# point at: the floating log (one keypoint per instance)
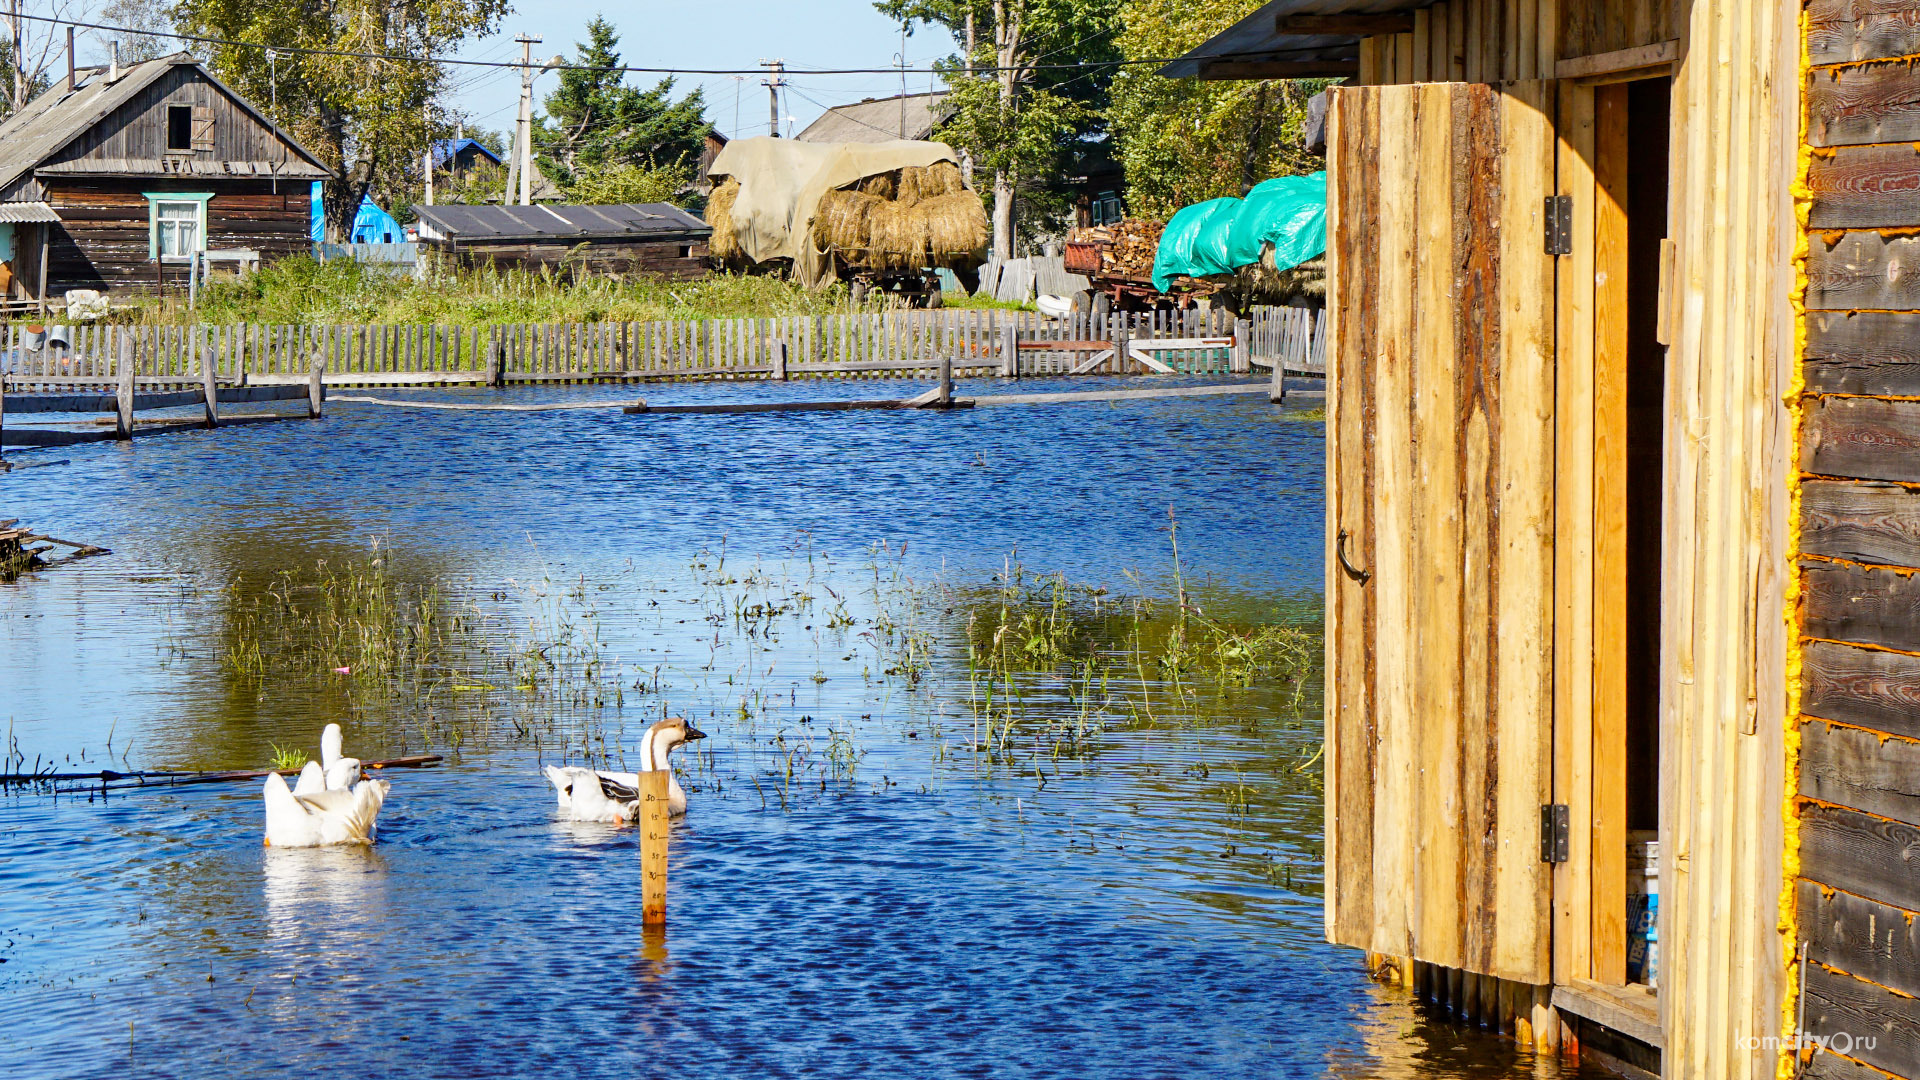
(174, 778)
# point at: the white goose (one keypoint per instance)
(325, 806)
(614, 797)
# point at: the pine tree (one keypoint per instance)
(594, 121)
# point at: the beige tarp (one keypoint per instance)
(782, 180)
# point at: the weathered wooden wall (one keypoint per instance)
(1506, 40)
(666, 258)
(137, 130)
(1858, 889)
(1440, 413)
(101, 241)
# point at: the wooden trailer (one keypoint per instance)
(1623, 507)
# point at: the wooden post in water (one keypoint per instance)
(123, 417)
(316, 387)
(1278, 392)
(209, 387)
(496, 361)
(1242, 347)
(655, 825)
(780, 361)
(946, 381)
(1010, 351)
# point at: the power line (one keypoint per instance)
(407, 59)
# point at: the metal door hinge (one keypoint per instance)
(1559, 224)
(1555, 825)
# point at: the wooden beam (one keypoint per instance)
(1344, 25)
(1602, 66)
(1222, 70)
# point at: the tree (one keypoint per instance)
(594, 121)
(370, 119)
(1183, 141)
(1019, 112)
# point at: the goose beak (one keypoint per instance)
(694, 733)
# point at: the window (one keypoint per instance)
(176, 228)
(177, 224)
(179, 127)
(1106, 209)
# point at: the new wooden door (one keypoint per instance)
(1440, 422)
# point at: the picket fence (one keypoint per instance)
(892, 344)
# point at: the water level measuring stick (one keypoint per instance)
(654, 825)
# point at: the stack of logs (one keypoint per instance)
(1126, 248)
(19, 554)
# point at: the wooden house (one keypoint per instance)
(643, 238)
(115, 176)
(1623, 516)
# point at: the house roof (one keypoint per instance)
(65, 112)
(447, 149)
(1293, 39)
(564, 223)
(879, 120)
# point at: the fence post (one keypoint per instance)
(496, 360)
(946, 381)
(1010, 350)
(1242, 346)
(210, 388)
(780, 361)
(1277, 392)
(316, 388)
(123, 417)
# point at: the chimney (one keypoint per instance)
(70, 63)
(113, 73)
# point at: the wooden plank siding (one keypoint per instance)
(1441, 407)
(1498, 41)
(678, 258)
(137, 130)
(1858, 780)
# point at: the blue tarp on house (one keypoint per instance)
(371, 225)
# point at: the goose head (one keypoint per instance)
(663, 737)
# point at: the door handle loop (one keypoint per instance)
(1352, 571)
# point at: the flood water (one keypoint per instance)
(897, 862)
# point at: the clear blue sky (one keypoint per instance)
(737, 34)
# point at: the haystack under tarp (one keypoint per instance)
(781, 182)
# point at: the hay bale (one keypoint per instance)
(896, 236)
(725, 243)
(842, 221)
(880, 185)
(920, 183)
(956, 227)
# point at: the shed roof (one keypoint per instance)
(1294, 39)
(879, 120)
(65, 112)
(542, 221)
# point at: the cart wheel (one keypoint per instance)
(935, 299)
(859, 292)
(1102, 306)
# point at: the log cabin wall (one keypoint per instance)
(101, 241)
(1858, 886)
(226, 132)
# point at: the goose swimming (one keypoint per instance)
(614, 797)
(325, 805)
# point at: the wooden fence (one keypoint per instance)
(893, 344)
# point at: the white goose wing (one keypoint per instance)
(312, 779)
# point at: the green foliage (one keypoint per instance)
(367, 118)
(1184, 141)
(341, 291)
(606, 184)
(595, 124)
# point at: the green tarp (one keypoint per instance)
(1221, 235)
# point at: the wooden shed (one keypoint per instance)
(630, 238)
(1624, 515)
(112, 178)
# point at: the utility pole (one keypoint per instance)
(773, 82)
(523, 131)
(903, 80)
(19, 57)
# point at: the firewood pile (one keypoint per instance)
(1125, 249)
